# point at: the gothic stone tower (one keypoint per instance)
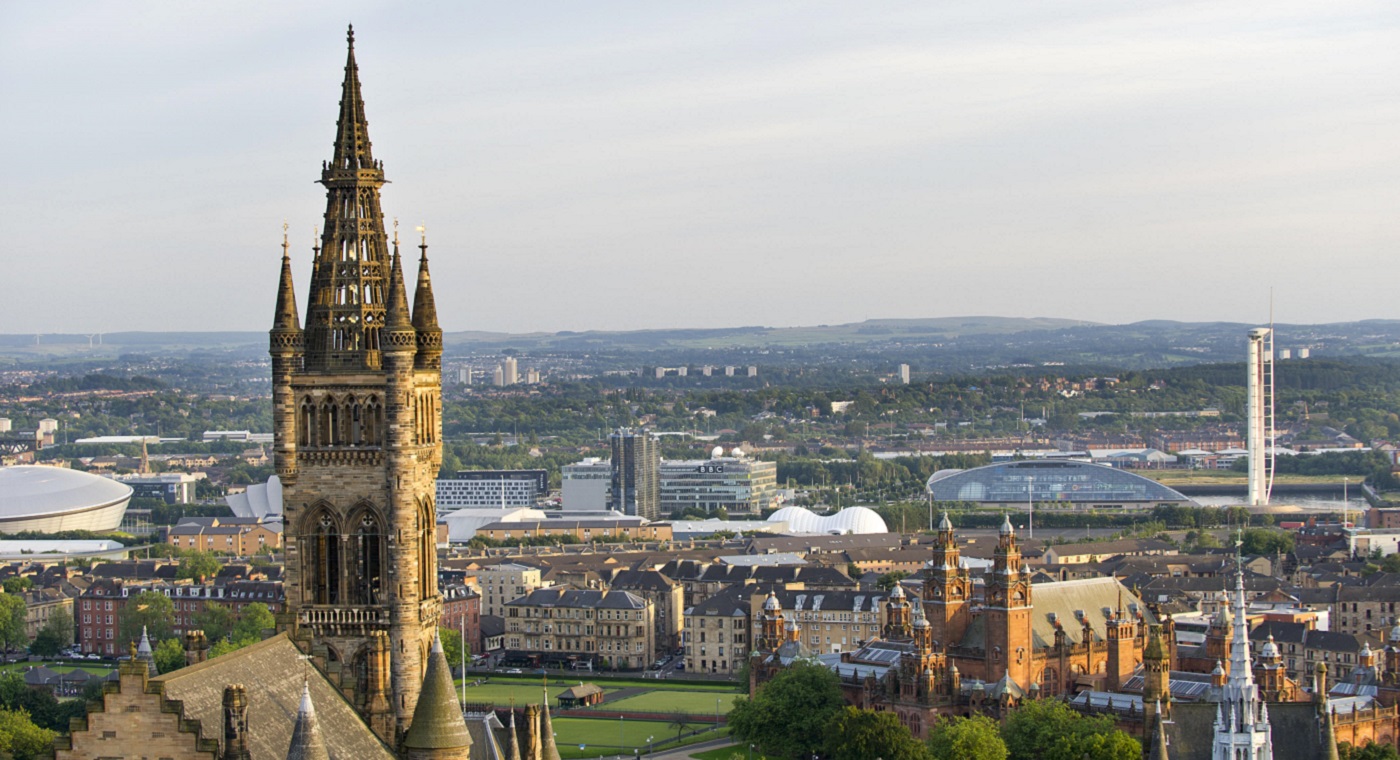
(1008, 613)
(356, 405)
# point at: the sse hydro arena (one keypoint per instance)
(53, 499)
(1081, 485)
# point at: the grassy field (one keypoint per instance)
(590, 732)
(97, 670)
(620, 683)
(722, 753)
(691, 702)
(501, 693)
(1227, 477)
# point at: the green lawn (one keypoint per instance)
(500, 693)
(599, 736)
(690, 702)
(723, 753)
(619, 683)
(20, 667)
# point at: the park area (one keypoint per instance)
(688, 710)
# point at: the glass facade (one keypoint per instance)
(1042, 481)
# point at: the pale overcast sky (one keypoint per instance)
(621, 165)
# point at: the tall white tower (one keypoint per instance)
(1242, 730)
(1260, 402)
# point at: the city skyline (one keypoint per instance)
(629, 167)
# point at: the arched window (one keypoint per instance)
(325, 427)
(368, 554)
(427, 551)
(372, 423)
(352, 421)
(307, 423)
(323, 559)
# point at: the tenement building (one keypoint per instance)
(575, 626)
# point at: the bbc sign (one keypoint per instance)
(710, 468)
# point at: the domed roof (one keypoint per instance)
(897, 592)
(37, 491)
(1052, 480)
(849, 520)
(1006, 525)
(1270, 649)
(1395, 634)
(945, 523)
(771, 604)
(921, 623)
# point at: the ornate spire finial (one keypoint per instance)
(350, 35)
(396, 234)
(285, 244)
(423, 239)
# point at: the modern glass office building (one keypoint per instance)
(1081, 484)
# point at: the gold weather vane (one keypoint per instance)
(396, 232)
(284, 238)
(423, 232)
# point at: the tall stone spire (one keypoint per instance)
(307, 742)
(346, 307)
(1245, 724)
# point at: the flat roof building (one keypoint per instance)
(1080, 484)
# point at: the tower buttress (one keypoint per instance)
(1008, 645)
(947, 589)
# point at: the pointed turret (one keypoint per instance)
(396, 317)
(1006, 529)
(145, 653)
(425, 313)
(513, 748)
(285, 319)
(1159, 738)
(307, 742)
(548, 750)
(438, 730)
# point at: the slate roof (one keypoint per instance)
(272, 671)
(588, 598)
(731, 602)
(1295, 731)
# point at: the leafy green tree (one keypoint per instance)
(789, 714)
(890, 580)
(252, 621)
(149, 609)
(216, 620)
(12, 631)
(55, 635)
(856, 734)
(1050, 730)
(197, 564)
(1266, 541)
(169, 655)
(1374, 751)
(452, 645)
(17, 584)
(21, 739)
(963, 738)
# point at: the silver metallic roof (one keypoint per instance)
(35, 491)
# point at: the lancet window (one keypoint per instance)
(368, 550)
(322, 558)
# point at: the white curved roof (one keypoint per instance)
(260, 500)
(37, 491)
(848, 520)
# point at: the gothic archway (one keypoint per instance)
(321, 557)
(367, 556)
